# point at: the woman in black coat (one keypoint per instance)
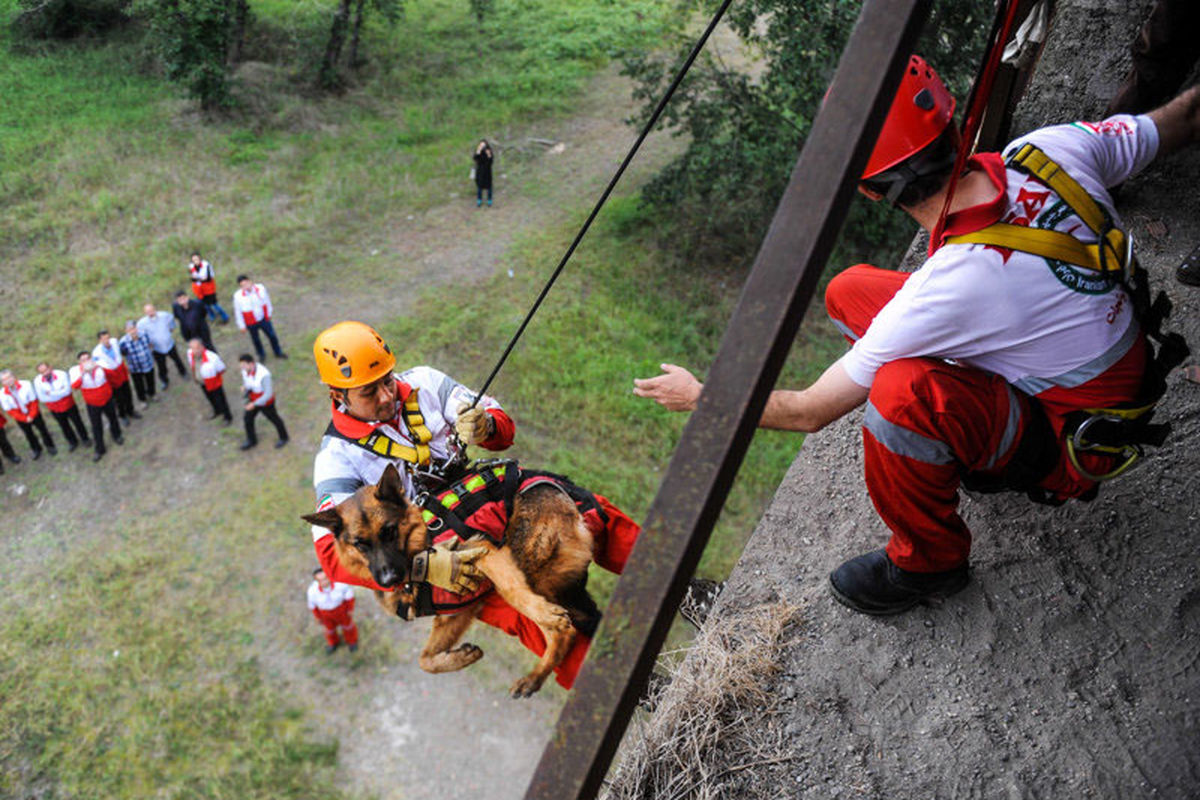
(483, 171)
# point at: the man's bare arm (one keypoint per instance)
(1178, 122)
(830, 398)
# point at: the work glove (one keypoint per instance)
(449, 568)
(473, 424)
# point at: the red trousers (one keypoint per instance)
(612, 546)
(336, 618)
(928, 422)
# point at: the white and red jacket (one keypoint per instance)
(20, 401)
(338, 595)
(113, 362)
(1048, 328)
(251, 306)
(204, 281)
(92, 383)
(341, 466)
(207, 368)
(257, 385)
(54, 389)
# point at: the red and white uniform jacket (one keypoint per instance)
(20, 401)
(257, 385)
(251, 306)
(342, 466)
(333, 605)
(207, 368)
(54, 389)
(93, 384)
(204, 281)
(113, 362)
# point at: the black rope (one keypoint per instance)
(662, 104)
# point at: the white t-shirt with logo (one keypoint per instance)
(1035, 322)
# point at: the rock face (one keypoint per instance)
(1070, 667)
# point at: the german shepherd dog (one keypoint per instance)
(540, 570)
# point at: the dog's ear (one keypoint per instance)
(390, 488)
(329, 518)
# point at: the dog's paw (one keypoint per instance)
(467, 654)
(526, 687)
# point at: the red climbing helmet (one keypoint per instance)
(921, 111)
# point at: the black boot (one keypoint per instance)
(246, 445)
(872, 584)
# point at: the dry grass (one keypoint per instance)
(712, 723)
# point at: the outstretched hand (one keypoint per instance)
(675, 390)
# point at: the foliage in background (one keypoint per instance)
(745, 131)
(64, 19)
(195, 39)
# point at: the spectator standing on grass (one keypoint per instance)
(332, 604)
(157, 327)
(53, 389)
(204, 284)
(208, 369)
(193, 324)
(107, 353)
(139, 358)
(483, 171)
(258, 392)
(89, 378)
(5, 447)
(20, 401)
(252, 309)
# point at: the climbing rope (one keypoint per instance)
(1006, 12)
(649, 126)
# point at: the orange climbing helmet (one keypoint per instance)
(921, 111)
(351, 354)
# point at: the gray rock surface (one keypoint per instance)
(1070, 667)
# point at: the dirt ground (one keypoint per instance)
(1070, 667)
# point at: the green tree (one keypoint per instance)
(195, 39)
(64, 19)
(745, 130)
(348, 16)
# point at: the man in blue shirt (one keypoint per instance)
(157, 327)
(140, 360)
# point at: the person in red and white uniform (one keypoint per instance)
(415, 420)
(252, 310)
(20, 401)
(258, 391)
(204, 284)
(90, 379)
(5, 448)
(208, 370)
(107, 353)
(333, 604)
(970, 366)
(53, 388)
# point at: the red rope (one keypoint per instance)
(979, 97)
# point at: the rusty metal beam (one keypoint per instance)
(752, 352)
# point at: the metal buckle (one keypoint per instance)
(1077, 438)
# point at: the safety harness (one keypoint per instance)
(490, 485)
(1120, 431)
(379, 443)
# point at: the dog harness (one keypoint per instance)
(480, 503)
(1123, 430)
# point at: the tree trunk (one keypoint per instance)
(359, 13)
(241, 14)
(333, 50)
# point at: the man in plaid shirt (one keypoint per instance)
(140, 360)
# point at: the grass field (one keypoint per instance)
(151, 634)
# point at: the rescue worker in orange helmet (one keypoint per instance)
(973, 366)
(379, 417)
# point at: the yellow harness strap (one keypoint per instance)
(1114, 257)
(420, 434)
